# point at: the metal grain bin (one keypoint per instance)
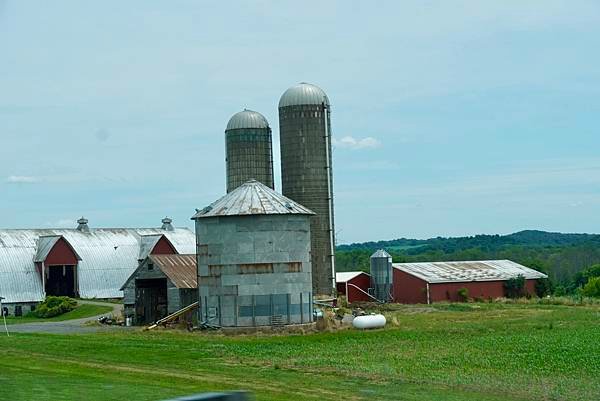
(306, 172)
(254, 264)
(381, 275)
(248, 149)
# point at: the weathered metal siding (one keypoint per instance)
(249, 155)
(176, 298)
(307, 178)
(254, 269)
(173, 298)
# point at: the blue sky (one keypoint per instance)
(449, 117)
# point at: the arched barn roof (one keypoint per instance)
(107, 257)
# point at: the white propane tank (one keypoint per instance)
(369, 321)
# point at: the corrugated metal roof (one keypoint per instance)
(147, 244)
(181, 269)
(44, 246)
(303, 93)
(252, 198)
(485, 270)
(343, 277)
(108, 257)
(381, 254)
(247, 119)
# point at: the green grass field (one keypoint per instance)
(464, 352)
(81, 311)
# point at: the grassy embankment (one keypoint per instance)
(463, 352)
(81, 311)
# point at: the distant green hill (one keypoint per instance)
(489, 242)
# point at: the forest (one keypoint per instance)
(568, 259)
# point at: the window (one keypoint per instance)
(150, 266)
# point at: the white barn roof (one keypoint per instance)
(107, 257)
(344, 277)
(485, 270)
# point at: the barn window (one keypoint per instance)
(150, 266)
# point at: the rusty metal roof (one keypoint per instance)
(180, 269)
(252, 198)
(485, 270)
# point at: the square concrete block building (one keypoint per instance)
(254, 265)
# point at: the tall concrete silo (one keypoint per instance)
(254, 259)
(382, 275)
(249, 153)
(306, 173)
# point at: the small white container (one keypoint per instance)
(369, 322)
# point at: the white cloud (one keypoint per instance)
(62, 223)
(21, 179)
(350, 142)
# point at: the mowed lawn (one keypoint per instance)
(464, 352)
(81, 311)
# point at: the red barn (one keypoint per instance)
(354, 285)
(424, 283)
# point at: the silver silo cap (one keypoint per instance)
(247, 119)
(303, 93)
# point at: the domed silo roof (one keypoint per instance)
(247, 119)
(303, 93)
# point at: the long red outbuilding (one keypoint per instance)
(423, 283)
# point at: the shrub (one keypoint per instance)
(592, 288)
(463, 294)
(515, 287)
(543, 287)
(54, 306)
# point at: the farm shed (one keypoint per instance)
(353, 285)
(441, 281)
(161, 285)
(84, 262)
(254, 265)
